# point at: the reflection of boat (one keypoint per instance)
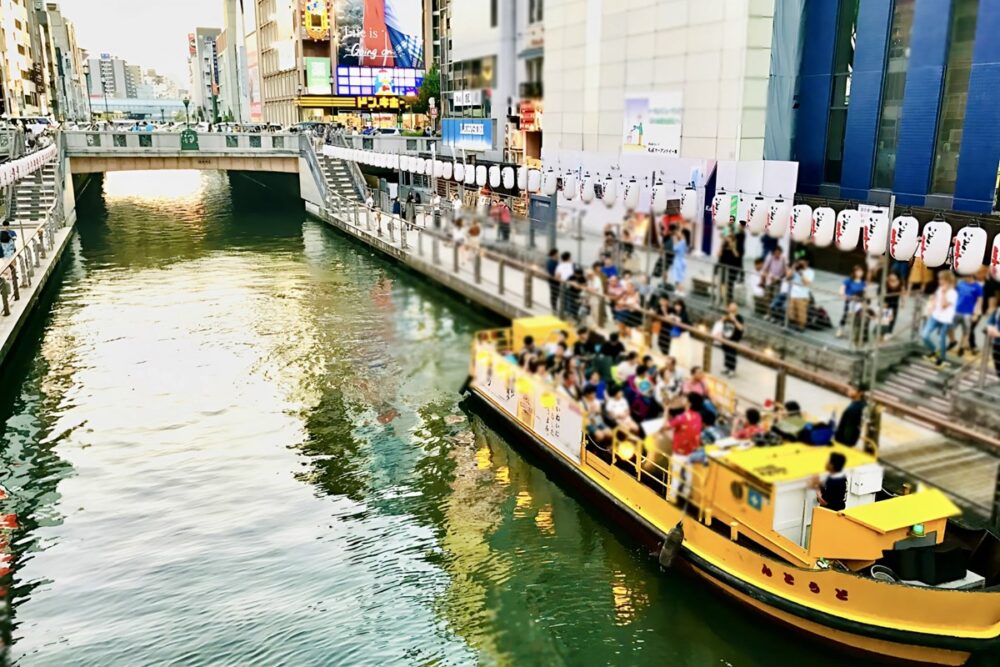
(888, 575)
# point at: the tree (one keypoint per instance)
(431, 87)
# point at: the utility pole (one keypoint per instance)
(187, 116)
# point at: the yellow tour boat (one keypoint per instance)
(890, 575)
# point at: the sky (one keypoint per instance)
(129, 29)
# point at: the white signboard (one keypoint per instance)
(467, 98)
(653, 124)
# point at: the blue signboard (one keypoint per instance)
(471, 134)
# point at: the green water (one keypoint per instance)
(236, 439)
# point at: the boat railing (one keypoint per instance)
(631, 452)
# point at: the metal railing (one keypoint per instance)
(17, 272)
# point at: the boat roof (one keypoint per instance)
(902, 511)
(773, 465)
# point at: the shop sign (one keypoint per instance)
(474, 134)
(317, 76)
(527, 114)
(467, 98)
(379, 102)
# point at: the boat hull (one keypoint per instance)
(876, 641)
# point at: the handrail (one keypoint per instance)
(352, 167)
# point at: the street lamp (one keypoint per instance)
(163, 117)
(90, 109)
(187, 116)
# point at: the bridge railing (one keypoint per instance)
(82, 142)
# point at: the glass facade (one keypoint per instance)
(961, 36)
(843, 67)
(893, 86)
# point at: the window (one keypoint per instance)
(493, 13)
(961, 36)
(843, 67)
(535, 11)
(893, 86)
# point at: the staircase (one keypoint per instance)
(34, 195)
(337, 176)
(917, 382)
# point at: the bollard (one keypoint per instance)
(454, 257)
(527, 288)
(403, 233)
(477, 268)
(4, 291)
(779, 386)
(500, 267)
(41, 244)
(436, 251)
(13, 282)
(420, 243)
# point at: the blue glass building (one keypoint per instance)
(901, 96)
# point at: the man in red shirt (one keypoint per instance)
(686, 429)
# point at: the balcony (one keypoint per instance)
(531, 90)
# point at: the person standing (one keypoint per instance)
(678, 269)
(732, 331)
(410, 210)
(436, 210)
(968, 310)
(853, 286)
(550, 268)
(849, 427)
(993, 332)
(893, 299)
(775, 269)
(940, 317)
(800, 293)
(397, 208)
(564, 273)
(686, 429)
(456, 207)
(731, 257)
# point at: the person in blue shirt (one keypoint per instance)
(609, 269)
(550, 268)
(968, 310)
(852, 286)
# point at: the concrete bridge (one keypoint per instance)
(98, 152)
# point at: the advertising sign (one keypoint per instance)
(317, 76)
(315, 20)
(253, 80)
(471, 134)
(380, 33)
(467, 98)
(653, 124)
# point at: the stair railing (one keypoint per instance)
(360, 186)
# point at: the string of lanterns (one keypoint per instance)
(902, 237)
(15, 170)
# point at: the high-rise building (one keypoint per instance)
(133, 79)
(22, 79)
(234, 99)
(70, 81)
(203, 63)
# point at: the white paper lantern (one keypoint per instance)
(995, 259)
(416, 165)
(689, 204)
(876, 232)
(848, 229)
(522, 178)
(824, 226)
(551, 182)
(801, 223)
(509, 179)
(482, 175)
(534, 180)
(935, 241)
(631, 195)
(495, 177)
(438, 169)
(569, 186)
(610, 194)
(757, 215)
(903, 237)
(587, 192)
(428, 167)
(720, 208)
(658, 198)
(969, 250)
(459, 172)
(470, 174)
(778, 214)
(447, 170)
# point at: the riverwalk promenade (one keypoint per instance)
(515, 289)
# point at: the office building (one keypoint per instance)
(22, 81)
(203, 63)
(70, 85)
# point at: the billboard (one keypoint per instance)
(379, 81)
(253, 80)
(380, 33)
(471, 134)
(653, 124)
(315, 20)
(317, 76)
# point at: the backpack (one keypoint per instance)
(4, 236)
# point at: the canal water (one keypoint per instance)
(236, 439)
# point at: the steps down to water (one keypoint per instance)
(337, 175)
(34, 195)
(920, 383)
